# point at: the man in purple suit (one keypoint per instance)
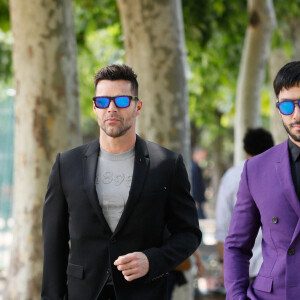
(268, 197)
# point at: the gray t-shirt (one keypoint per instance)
(113, 181)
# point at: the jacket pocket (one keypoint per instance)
(263, 283)
(75, 271)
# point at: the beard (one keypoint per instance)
(116, 131)
(295, 137)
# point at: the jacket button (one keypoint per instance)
(275, 220)
(113, 240)
(291, 251)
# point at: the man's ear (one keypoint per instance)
(94, 108)
(277, 107)
(278, 111)
(139, 106)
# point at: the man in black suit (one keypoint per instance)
(108, 204)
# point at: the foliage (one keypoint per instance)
(4, 16)
(6, 56)
(5, 43)
(214, 36)
(214, 31)
(286, 11)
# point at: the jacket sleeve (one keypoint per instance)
(182, 223)
(55, 238)
(243, 230)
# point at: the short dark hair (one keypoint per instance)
(257, 141)
(118, 72)
(287, 77)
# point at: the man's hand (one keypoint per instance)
(133, 265)
(199, 264)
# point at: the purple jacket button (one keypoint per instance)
(291, 251)
(275, 220)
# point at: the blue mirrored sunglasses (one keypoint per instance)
(120, 101)
(287, 107)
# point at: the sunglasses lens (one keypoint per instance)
(102, 102)
(286, 107)
(122, 101)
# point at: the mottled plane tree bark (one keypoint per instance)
(252, 70)
(155, 48)
(46, 121)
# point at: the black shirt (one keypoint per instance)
(294, 152)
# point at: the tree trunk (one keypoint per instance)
(294, 24)
(277, 60)
(155, 49)
(46, 121)
(252, 70)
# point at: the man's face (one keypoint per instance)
(200, 155)
(291, 122)
(114, 121)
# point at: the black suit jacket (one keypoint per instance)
(79, 247)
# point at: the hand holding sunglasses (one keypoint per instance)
(287, 107)
(120, 101)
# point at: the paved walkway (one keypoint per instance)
(210, 285)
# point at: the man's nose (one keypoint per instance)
(296, 113)
(112, 107)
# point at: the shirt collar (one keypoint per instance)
(294, 150)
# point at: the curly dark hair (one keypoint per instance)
(257, 141)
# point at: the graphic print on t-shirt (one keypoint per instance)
(113, 181)
(117, 179)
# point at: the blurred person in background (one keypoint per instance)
(181, 280)
(199, 155)
(255, 141)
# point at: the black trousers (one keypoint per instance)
(108, 293)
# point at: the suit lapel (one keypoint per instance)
(89, 174)
(283, 170)
(140, 171)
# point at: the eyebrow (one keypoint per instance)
(288, 99)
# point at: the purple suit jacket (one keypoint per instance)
(266, 198)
